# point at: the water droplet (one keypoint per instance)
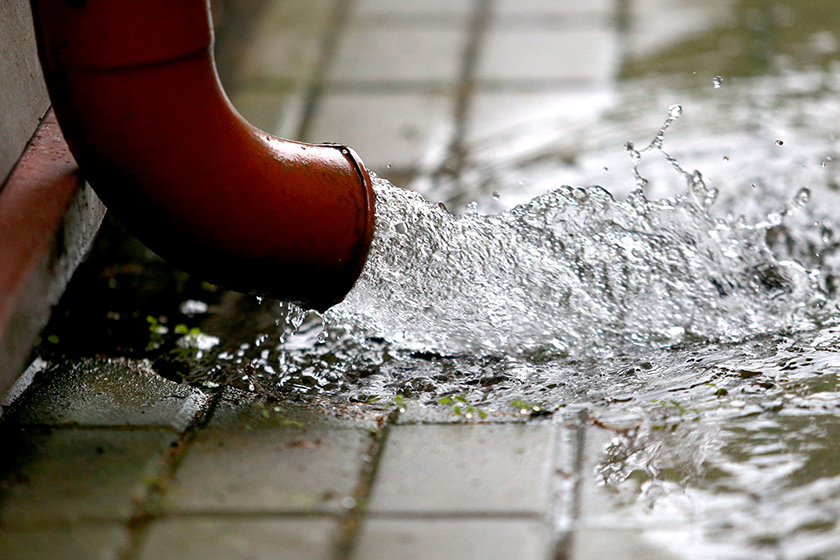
(710, 198)
(495, 195)
(802, 197)
(629, 147)
(400, 227)
(675, 111)
(725, 158)
(717, 81)
(779, 142)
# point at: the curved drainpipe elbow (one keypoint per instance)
(135, 90)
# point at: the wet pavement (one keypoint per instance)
(696, 451)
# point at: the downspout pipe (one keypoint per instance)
(136, 93)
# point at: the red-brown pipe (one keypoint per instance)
(135, 90)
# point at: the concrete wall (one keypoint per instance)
(23, 95)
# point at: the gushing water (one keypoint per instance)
(706, 359)
(573, 272)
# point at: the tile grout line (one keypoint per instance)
(351, 524)
(623, 22)
(170, 459)
(235, 30)
(567, 477)
(476, 32)
(330, 39)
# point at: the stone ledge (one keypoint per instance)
(48, 219)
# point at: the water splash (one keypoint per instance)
(573, 272)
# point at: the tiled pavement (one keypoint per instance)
(104, 459)
(409, 83)
(108, 460)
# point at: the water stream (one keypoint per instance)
(694, 318)
(536, 302)
(575, 273)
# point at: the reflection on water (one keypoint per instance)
(754, 462)
(731, 38)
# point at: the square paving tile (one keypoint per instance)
(465, 468)
(512, 113)
(268, 461)
(276, 111)
(599, 508)
(553, 7)
(413, 7)
(452, 539)
(109, 393)
(288, 55)
(627, 544)
(286, 42)
(80, 475)
(399, 53)
(545, 54)
(84, 542)
(239, 539)
(402, 130)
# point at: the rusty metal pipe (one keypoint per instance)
(135, 90)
